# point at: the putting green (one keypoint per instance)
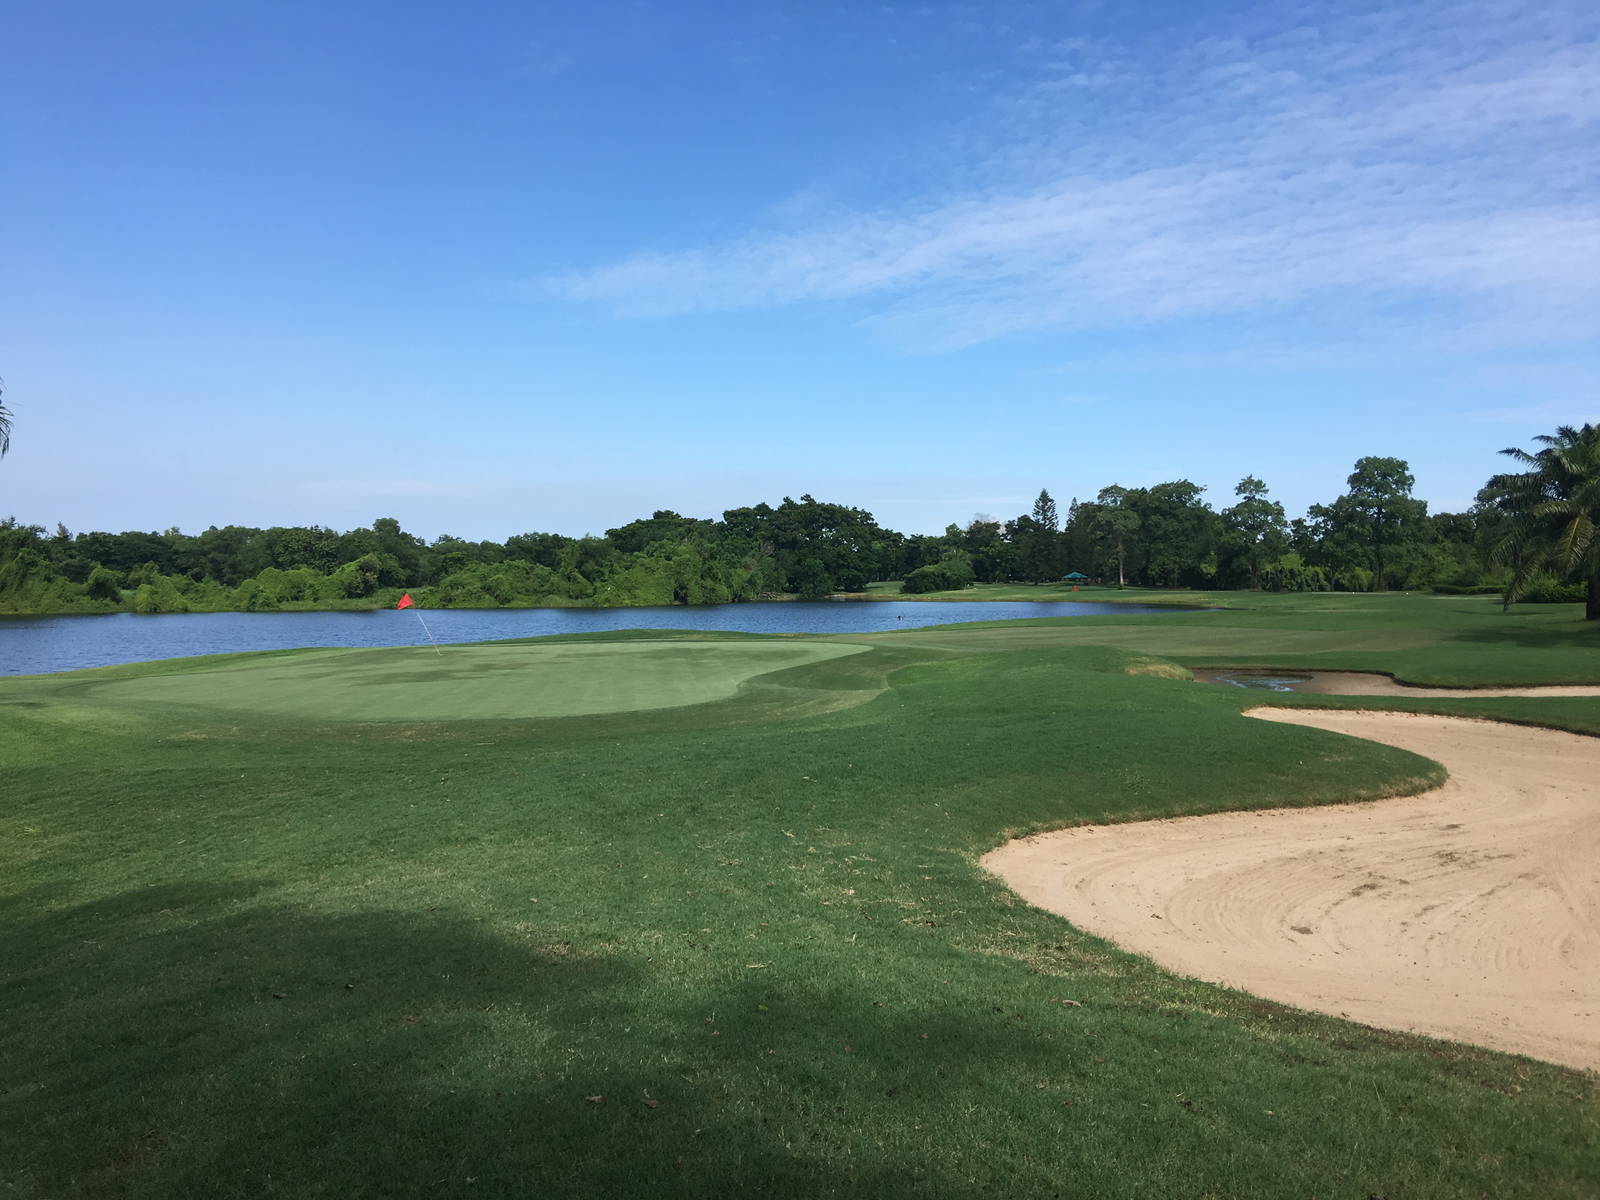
(477, 682)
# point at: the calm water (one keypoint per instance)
(1272, 681)
(31, 645)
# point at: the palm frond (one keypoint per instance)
(1552, 512)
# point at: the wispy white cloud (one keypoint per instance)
(1427, 168)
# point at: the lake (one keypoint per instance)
(33, 645)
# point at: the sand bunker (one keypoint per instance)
(1471, 912)
(1366, 683)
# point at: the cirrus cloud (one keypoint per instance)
(1426, 166)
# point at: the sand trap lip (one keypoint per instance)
(1471, 912)
(1367, 683)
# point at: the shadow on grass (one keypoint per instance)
(216, 1041)
(205, 1040)
(1577, 633)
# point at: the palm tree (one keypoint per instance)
(5, 425)
(1552, 513)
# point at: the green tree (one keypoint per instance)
(104, 585)
(162, 596)
(1381, 511)
(1040, 548)
(1115, 524)
(1077, 538)
(27, 566)
(5, 426)
(359, 577)
(543, 549)
(810, 578)
(816, 547)
(1330, 538)
(664, 525)
(1552, 511)
(1177, 533)
(993, 558)
(403, 556)
(1044, 511)
(952, 572)
(1254, 531)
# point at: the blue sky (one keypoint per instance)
(493, 267)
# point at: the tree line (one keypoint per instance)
(800, 547)
(1374, 536)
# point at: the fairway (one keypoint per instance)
(691, 916)
(560, 679)
(1447, 641)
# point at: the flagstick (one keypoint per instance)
(429, 632)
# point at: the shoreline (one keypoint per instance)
(786, 598)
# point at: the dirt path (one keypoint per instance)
(1471, 912)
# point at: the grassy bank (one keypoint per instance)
(1446, 641)
(308, 924)
(890, 590)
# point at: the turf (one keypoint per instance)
(476, 682)
(1445, 641)
(738, 947)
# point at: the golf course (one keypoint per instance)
(672, 913)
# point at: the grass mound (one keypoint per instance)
(1157, 668)
(476, 682)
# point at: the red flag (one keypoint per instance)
(405, 601)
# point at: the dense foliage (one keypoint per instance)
(1375, 536)
(1549, 524)
(803, 547)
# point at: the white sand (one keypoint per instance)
(1471, 912)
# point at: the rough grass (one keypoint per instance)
(732, 948)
